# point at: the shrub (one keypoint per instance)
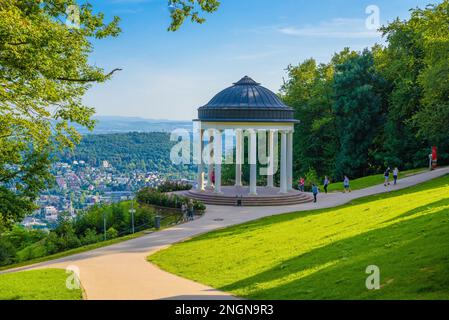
(111, 233)
(171, 186)
(153, 197)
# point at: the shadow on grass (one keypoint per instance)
(412, 254)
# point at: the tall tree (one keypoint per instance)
(44, 72)
(433, 118)
(309, 90)
(357, 107)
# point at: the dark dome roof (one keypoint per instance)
(246, 100)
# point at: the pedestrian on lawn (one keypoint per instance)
(346, 184)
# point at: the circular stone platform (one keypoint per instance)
(235, 196)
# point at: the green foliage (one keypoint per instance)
(309, 91)
(44, 74)
(20, 244)
(182, 9)
(128, 151)
(357, 109)
(311, 178)
(111, 233)
(151, 196)
(171, 186)
(364, 111)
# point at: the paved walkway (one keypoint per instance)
(120, 271)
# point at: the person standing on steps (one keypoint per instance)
(387, 177)
(301, 184)
(315, 192)
(395, 175)
(346, 185)
(326, 184)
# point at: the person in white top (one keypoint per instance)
(395, 175)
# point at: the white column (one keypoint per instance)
(238, 156)
(270, 182)
(283, 162)
(290, 160)
(210, 167)
(253, 162)
(217, 160)
(200, 178)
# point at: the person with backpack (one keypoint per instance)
(315, 192)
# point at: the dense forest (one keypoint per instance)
(384, 106)
(127, 151)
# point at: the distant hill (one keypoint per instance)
(117, 124)
(129, 151)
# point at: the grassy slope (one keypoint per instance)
(370, 181)
(46, 284)
(323, 254)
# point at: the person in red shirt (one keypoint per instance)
(301, 183)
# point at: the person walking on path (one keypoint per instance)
(395, 175)
(326, 184)
(346, 184)
(190, 209)
(315, 192)
(387, 177)
(301, 184)
(184, 211)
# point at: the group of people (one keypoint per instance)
(346, 183)
(387, 176)
(187, 209)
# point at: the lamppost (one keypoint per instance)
(132, 211)
(104, 224)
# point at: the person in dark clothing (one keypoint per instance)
(326, 183)
(387, 177)
(315, 192)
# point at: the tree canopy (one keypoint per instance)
(384, 106)
(44, 72)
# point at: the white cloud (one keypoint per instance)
(335, 28)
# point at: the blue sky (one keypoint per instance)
(169, 75)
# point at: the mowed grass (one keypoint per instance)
(370, 181)
(45, 284)
(324, 254)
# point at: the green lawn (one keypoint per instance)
(370, 181)
(45, 284)
(323, 254)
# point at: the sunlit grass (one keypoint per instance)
(323, 254)
(45, 284)
(370, 181)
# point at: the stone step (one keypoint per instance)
(277, 200)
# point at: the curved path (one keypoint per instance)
(120, 271)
